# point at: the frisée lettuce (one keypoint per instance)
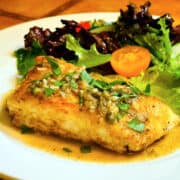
(165, 82)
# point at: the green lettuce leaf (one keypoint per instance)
(173, 66)
(86, 57)
(164, 79)
(163, 85)
(26, 57)
(157, 41)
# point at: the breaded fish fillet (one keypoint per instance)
(147, 119)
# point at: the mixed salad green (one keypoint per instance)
(91, 44)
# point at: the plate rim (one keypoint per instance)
(91, 165)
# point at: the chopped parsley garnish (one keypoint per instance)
(71, 74)
(35, 81)
(26, 130)
(59, 83)
(115, 93)
(66, 149)
(136, 125)
(73, 84)
(48, 91)
(119, 116)
(85, 148)
(110, 99)
(123, 106)
(46, 76)
(102, 85)
(54, 65)
(33, 89)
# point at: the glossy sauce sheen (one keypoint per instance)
(55, 145)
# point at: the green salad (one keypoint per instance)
(92, 43)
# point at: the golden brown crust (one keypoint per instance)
(62, 116)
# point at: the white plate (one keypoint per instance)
(21, 161)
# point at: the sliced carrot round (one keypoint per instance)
(130, 61)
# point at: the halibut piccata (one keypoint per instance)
(59, 98)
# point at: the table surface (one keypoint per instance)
(13, 12)
(17, 11)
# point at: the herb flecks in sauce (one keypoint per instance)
(66, 149)
(26, 130)
(85, 149)
(111, 100)
(136, 125)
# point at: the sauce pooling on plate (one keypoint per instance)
(71, 149)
